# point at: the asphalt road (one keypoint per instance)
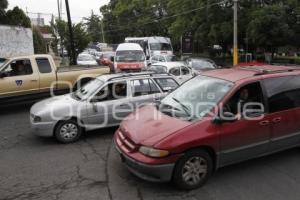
(40, 168)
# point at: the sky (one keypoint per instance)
(78, 8)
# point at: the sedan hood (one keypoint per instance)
(56, 103)
(148, 126)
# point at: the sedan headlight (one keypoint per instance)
(156, 153)
(35, 118)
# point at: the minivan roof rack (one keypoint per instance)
(265, 71)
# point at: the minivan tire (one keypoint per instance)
(193, 170)
(68, 131)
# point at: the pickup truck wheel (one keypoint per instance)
(67, 131)
(193, 170)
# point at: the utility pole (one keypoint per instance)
(235, 33)
(103, 37)
(58, 7)
(73, 57)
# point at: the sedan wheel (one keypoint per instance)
(68, 131)
(193, 169)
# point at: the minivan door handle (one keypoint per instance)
(277, 120)
(264, 123)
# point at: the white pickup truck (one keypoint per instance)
(30, 77)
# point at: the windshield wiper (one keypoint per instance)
(185, 108)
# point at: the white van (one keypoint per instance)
(130, 57)
(153, 45)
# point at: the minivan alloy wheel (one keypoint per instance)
(194, 170)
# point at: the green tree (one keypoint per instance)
(3, 6)
(269, 28)
(94, 27)
(16, 17)
(39, 43)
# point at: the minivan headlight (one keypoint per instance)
(156, 153)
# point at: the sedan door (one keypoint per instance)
(109, 106)
(144, 91)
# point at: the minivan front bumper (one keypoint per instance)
(153, 173)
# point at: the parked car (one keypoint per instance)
(215, 119)
(130, 57)
(201, 64)
(103, 102)
(31, 77)
(179, 70)
(106, 57)
(163, 58)
(86, 59)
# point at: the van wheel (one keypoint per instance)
(67, 131)
(193, 170)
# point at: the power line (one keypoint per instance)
(169, 17)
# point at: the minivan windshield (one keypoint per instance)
(196, 98)
(130, 56)
(87, 90)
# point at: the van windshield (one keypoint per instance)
(130, 56)
(160, 47)
(196, 98)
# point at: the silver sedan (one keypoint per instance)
(103, 102)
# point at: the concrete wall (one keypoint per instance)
(15, 41)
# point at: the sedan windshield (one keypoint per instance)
(88, 90)
(172, 59)
(201, 64)
(130, 56)
(158, 69)
(196, 98)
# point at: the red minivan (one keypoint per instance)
(216, 119)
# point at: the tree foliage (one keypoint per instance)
(39, 43)
(14, 17)
(59, 29)
(264, 24)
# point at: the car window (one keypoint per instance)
(158, 69)
(43, 65)
(248, 97)
(155, 58)
(175, 71)
(161, 59)
(166, 84)
(283, 93)
(185, 71)
(112, 91)
(18, 68)
(143, 87)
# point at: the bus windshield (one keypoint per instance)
(160, 47)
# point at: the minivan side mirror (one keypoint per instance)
(112, 58)
(227, 117)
